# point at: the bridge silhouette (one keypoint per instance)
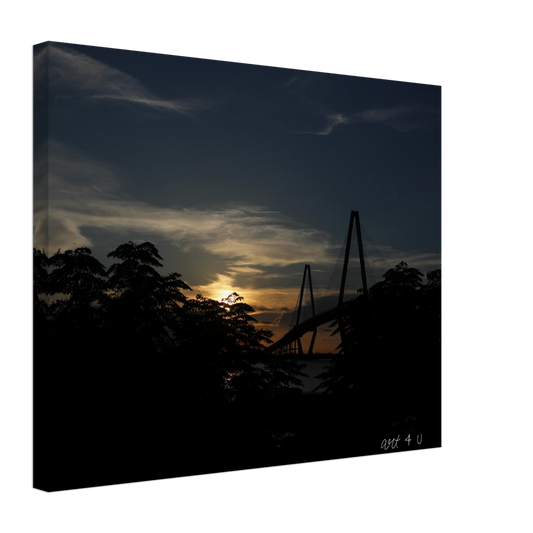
(333, 305)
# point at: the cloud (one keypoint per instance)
(247, 270)
(262, 308)
(402, 118)
(84, 193)
(221, 287)
(334, 120)
(74, 74)
(422, 261)
(40, 68)
(85, 201)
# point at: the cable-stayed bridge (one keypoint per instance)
(358, 266)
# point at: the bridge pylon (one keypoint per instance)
(307, 275)
(354, 217)
(290, 343)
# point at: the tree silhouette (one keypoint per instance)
(79, 275)
(40, 273)
(390, 352)
(40, 289)
(130, 351)
(143, 304)
(387, 373)
(76, 286)
(135, 276)
(232, 387)
(433, 279)
(400, 280)
(219, 344)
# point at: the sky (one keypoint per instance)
(240, 174)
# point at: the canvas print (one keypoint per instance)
(235, 266)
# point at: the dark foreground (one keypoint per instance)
(142, 424)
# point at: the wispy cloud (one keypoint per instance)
(420, 260)
(333, 120)
(402, 118)
(74, 74)
(246, 270)
(86, 194)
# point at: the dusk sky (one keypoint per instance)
(240, 174)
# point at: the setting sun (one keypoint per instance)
(221, 294)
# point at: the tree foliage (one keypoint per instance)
(389, 335)
(224, 349)
(40, 274)
(143, 303)
(131, 316)
(79, 275)
(130, 371)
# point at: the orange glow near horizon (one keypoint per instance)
(268, 304)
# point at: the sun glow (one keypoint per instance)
(222, 293)
(218, 289)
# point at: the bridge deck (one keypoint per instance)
(307, 325)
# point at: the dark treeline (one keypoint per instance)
(397, 321)
(134, 380)
(386, 377)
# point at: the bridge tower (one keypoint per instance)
(307, 275)
(290, 343)
(354, 217)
